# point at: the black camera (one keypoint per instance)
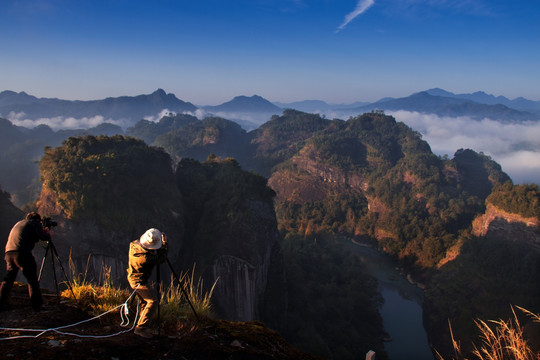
(48, 222)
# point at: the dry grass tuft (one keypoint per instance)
(503, 341)
(174, 305)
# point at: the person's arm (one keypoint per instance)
(44, 234)
(164, 250)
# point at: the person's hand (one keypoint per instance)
(49, 231)
(164, 238)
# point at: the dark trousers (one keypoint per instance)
(25, 262)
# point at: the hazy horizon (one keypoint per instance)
(207, 52)
(274, 101)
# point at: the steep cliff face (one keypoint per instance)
(231, 235)
(242, 273)
(513, 227)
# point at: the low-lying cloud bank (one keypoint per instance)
(63, 123)
(70, 123)
(515, 146)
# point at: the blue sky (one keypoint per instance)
(208, 51)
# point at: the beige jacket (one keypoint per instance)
(142, 262)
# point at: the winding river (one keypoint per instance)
(402, 308)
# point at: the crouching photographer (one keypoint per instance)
(21, 241)
(145, 254)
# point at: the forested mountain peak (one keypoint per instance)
(380, 164)
(479, 173)
(83, 169)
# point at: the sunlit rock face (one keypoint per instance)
(499, 223)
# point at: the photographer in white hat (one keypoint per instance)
(144, 254)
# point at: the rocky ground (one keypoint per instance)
(191, 340)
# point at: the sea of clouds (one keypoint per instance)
(515, 146)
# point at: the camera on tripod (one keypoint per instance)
(48, 222)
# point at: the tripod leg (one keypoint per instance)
(43, 262)
(55, 278)
(183, 290)
(158, 275)
(64, 272)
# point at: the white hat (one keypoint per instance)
(151, 239)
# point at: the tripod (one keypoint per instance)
(52, 249)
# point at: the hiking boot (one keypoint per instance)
(143, 332)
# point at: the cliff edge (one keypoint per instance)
(207, 339)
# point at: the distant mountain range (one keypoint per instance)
(452, 106)
(477, 105)
(251, 112)
(124, 107)
(481, 97)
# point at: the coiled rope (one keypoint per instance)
(124, 315)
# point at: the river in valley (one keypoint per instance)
(402, 308)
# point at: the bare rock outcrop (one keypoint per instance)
(311, 180)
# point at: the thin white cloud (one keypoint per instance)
(71, 123)
(65, 123)
(199, 113)
(158, 116)
(361, 7)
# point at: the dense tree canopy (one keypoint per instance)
(518, 199)
(114, 180)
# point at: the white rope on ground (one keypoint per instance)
(123, 315)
